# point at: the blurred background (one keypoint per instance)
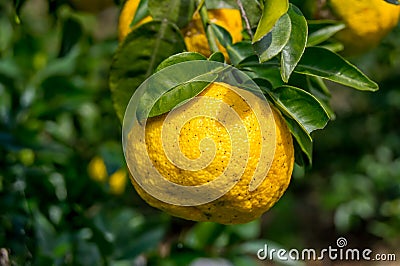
(65, 196)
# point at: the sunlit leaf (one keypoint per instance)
(334, 68)
(301, 106)
(179, 58)
(294, 48)
(272, 44)
(273, 10)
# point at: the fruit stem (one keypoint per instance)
(212, 42)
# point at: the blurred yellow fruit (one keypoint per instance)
(194, 35)
(97, 169)
(117, 182)
(239, 204)
(367, 21)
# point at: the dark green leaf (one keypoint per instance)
(223, 36)
(272, 44)
(273, 10)
(136, 58)
(217, 57)
(317, 61)
(253, 11)
(239, 51)
(71, 33)
(179, 58)
(324, 33)
(303, 143)
(176, 11)
(141, 12)
(294, 48)
(269, 73)
(395, 2)
(301, 106)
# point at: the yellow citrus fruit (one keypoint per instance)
(194, 35)
(239, 204)
(91, 6)
(367, 22)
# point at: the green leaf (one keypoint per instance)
(171, 86)
(217, 57)
(322, 34)
(272, 44)
(176, 11)
(301, 106)
(223, 36)
(239, 51)
(71, 33)
(394, 2)
(294, 48)
(176, 96)
(273, 10)
(141, 12)
(317, 61)
(268, 73)
(218, 4)
(142, 50)
(303, 141)
(179, 58)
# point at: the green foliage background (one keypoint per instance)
(56, 114)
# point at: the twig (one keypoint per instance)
(245, 18)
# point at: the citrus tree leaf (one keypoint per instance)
(71, 33)
(300, 106)
(302, 142)
(272, 11)
(218, 4)
(141, 12)
(334, 68)
(223, 36)
(176, 96)
(323, 33)
(252, 9)
(294, 48)
(137, 57)
(171, 86)
(179, 12)
(395, 2)
(239, 51)
(217, 57)
(179, 58)
(272, 44)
